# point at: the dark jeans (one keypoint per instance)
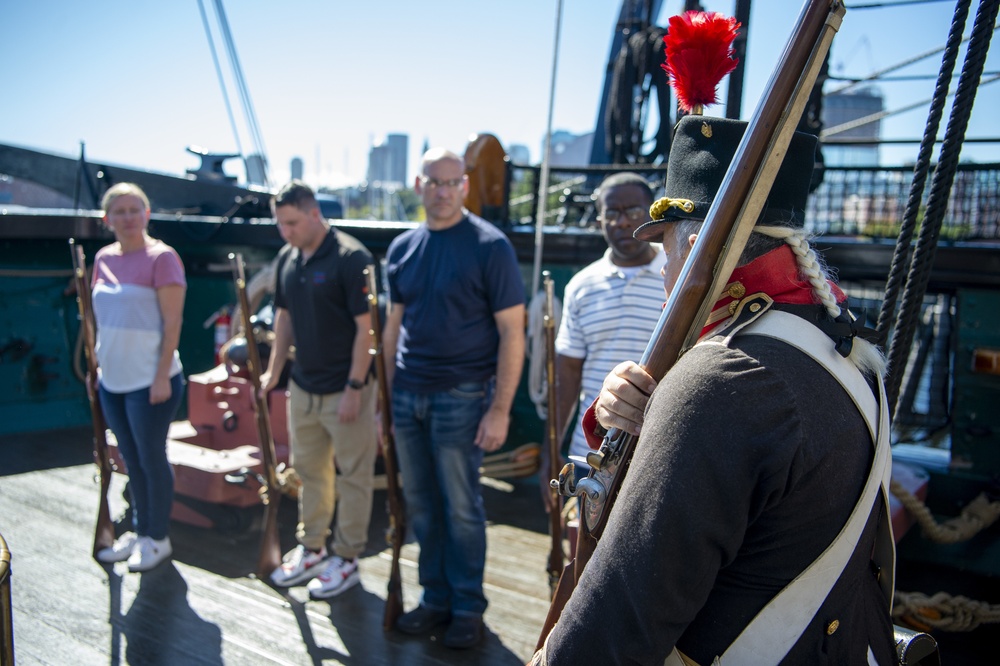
(440, 467)
(141, 431)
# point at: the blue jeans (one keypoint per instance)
(141, 431)
(440, 467)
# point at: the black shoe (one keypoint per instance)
(420, 620)
(464, 631)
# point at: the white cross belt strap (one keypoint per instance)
(777, 627)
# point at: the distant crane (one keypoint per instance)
(256, 163)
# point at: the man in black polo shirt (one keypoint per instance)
(321, 305)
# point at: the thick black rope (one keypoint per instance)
(937, 201)
(901, 255)
(637, 64)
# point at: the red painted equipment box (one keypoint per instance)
(217, 447)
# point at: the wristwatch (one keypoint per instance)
(355, 384)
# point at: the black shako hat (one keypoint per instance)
(702, 150)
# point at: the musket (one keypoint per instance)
(104, 530)
(723, 236)
(270, 543)
(395, 534)
(552, 436)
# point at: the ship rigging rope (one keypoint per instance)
(897, 3)
(875, 117)
(242, 90)
(918, 267)
(942, 611)
(241, 85)
(634, 77)
(222, 79)
(901, 253)
(879, 75)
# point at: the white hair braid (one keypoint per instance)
(866, 356)
(808, 262)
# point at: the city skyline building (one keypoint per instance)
(519, 154)
(569, 149)
(841, 108)
(387, 161)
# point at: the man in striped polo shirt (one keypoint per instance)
(610, 307)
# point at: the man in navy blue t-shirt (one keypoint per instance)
(456, 330)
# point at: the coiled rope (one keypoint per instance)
(942, 611)
(535, 350)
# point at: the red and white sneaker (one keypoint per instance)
(298, 566)
(338, 576)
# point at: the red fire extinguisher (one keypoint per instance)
(222, 322)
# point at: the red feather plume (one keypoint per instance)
(699, 53)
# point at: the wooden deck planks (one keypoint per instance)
(204, 606)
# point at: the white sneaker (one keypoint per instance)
(298, 566)
(149, 552)
(338, 576)
(120, 550)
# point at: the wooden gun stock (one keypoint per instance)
(556, 556)
(395, 535)
(104, 530)
(715, 254)
(270, 543)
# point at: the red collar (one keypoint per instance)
(777, 275)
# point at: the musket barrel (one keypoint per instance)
(104, 529)
(396, 532)
(270, 544)
(556, 557)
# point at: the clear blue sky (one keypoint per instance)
(136, 82)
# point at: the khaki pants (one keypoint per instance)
(317, 440)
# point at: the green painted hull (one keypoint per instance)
(40, 386)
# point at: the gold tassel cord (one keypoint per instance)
(660, 207)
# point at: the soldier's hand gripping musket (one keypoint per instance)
(396, 532)
(270, 544)
(104, 530)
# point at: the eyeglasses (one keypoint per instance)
(632, 214)
(434, 183)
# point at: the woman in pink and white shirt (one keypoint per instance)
(138, 294)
